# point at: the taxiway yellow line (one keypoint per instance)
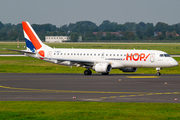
(68, 91)
(142, 77)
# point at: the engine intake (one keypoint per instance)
(102, 67)
(129, 69)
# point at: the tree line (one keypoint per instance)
(90, 31)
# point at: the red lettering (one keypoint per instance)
(127, 56)
(142, 55)
(136, 59)
(146, 57)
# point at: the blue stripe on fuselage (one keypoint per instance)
(30, 45)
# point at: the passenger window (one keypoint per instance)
(106, 54)
(94, 54)
(98, 54)
(161, 55)
(71, 53)
(54, 53)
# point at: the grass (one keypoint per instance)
(32, 65)
(52, 110)
(172, 48)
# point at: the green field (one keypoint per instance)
(170, 48)
(42, 110)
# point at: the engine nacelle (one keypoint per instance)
(129, 69)
(102, 67)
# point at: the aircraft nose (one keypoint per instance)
(174, 63)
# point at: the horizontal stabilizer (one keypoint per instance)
(22, 51)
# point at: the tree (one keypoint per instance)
(138, 32)
(130, 26)
(82, 26)
(74, 37)
(107, 24)
(160, 26)
(174, 33)
(149, 32)
(119, 28)
(129, 35)
(159, 37)
(1, 25)
(142, 24)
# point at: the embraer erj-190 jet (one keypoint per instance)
(100, 60)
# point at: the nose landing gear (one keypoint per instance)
(158, 71)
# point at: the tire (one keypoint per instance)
(158, 73)
(87, 72)
(105, 73)
(90, 72)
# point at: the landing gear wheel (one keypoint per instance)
(105, 73)
(90, 72)
(87, 72)
(158, 73)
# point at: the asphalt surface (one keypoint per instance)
(78, 87)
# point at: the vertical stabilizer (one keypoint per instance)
(33, 43)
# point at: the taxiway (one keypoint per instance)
(77, 87)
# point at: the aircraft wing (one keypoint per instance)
(82, 62)
(21, 51)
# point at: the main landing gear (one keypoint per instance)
(87, 72)
(158, 71)
(105, 73)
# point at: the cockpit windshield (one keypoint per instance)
(164, 55)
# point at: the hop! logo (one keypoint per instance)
(137, 56)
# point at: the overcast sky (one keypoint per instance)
(61, 12)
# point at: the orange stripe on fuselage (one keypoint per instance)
(31, 36)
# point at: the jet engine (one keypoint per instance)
(102, 67)
(129, 69)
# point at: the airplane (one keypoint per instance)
(100, 60)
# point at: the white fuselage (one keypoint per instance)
(117, 58)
